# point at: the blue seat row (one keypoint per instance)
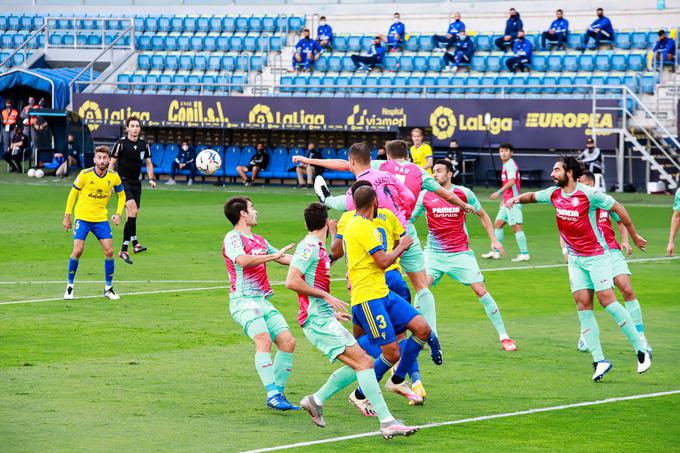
(198, 62)
(268, 24)
(181, 83)
(495, 63)
(210, 43)
(17, 59)
(63, 39)
(460, 85)
(21, 22)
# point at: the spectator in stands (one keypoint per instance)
(10, 116)
(258, 162)
(306, 52)
(324, 33)
(600, 29)
(395, 35)
(18, 145)
(25, 119)
(72, 156)
(664, 49)
(451, 35)
(309, 170)
(420, 152)
(375, 55)
(592, 157)
(185, 160)
(463, 52)
(455, 156)
(522, 50)
(558, 32)
(382, 153)
(512, 27)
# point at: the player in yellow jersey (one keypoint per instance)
(93, 188)
(421, 153)
(378, 312)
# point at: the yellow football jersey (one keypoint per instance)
(388, 225)
(94, 192)
(360, 240)
(420, 154)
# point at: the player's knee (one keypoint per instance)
(392, 353)
(263, 342)
(365, 362)
(77, 251)
(627, 292)
(108, 252)
(420, 328)
(286, 343)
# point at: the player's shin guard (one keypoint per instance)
(340, 379)
(625, 322)
(109, 266)
(263, 365)
(424, 303)
(521, 239)
(283, 365)
(591, 332)
(633, 307)
(500, 234)
(369, 386)
(411, 350)
(414, 372)
(494, 314)
(338, 202)
(72, 269)
(381, 366)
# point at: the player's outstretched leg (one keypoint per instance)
(313, 404)
(283, 362)
(625, 322)
(521, 240)
(494, 314)
(321, 188)
(591, 333)
(622, 281)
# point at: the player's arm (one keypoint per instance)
(295, 281)
(279, 256)
(504, 187)
(419, 209)
(385, 260)
(70, 203)
(525, 198)
(121, 203)
(429, 163)
(331, 164)
(149, 167)
(675, 225)
(113, 163)
(488, 227)
(454, 199)
(114, 156)
(565, 252)
(638, 240)
(625, 244)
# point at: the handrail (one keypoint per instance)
(24, 45)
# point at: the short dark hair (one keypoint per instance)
(130, 119)
(234, 206)
(513, 9)
(599, 9)
(662, 33)
(507, 146)
(322, 18)
(363, 197)
(186, 140)
(360, 152)
(316, 215)
(446, 163)
(559, 11)
(360, 183)
(396, 149)
(101, 149)
(588, 175)
(572, 163)
(306, 30)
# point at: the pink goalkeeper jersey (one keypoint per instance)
(576, 217)
(249, 281)
(409, 174)
(392, 194)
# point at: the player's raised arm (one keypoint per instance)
(331, 164)
(638, 240)
(454, 199)
(525, 198)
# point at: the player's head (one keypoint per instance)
(316, 216)
(133, 127)
(377, 40)
(559, 13)
(567, 169)
(360, 183)
(587, 178)
(322, 20)
(599, 12)
(662, 35)
(305, 33)
(240, 209)
(442, 171)
(456, 15)
(417, 136)
(382, 151)
(505, 151)
(513, 12)
(453, 143)
(186, 143)
(359, 157)
(590, 143)
(397, 17)
(260, 147)
(101, 157)
(396, 149)
(365, 199)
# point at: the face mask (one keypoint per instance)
(462, 37)
(185, 148)
(396, 20)
(8, 106)
(323, 22)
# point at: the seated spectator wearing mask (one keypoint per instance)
(14, 155)
(257, 163)
(72, 157)
(449, 39)
(395, 35)
(185, 160)
(324, 34)
(462, 54)
(309, 170)
(512, 27)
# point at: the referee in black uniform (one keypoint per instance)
(129, 153)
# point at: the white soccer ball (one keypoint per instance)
(31, 172)
(208, 161)
(39, 173)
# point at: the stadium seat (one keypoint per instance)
(186, 62)
(144, 62)
(636, 62)
(190, 24)
(215, 24)
(487, 81)
(638, 40)
(420, 63)
(574, 41)
(548, 85)
(164, 24)
(493, 63)
(391, 63)
(276, 43)
(314, 84)
(268, 24)
(144, 42)
(478, 63)
(406, 63)
(534, 83)
(354, 44)
(169, 155)
(247, 152)
(539, 63)
(200, 63)
(171, 42)
(209, 83)
(177, 24)
(472, 84)
(296, 23)
(564, 83)
(214, 62)
(232, 158)
(196, 43)
(172, 62)
(165, 81)
(222, 43)
(203, 24)
(602, 62)
(554, 63)
(242, 24)
(356, 84)
(623, 40)
(411, 45)
(157, 42)
(277, 164)
(618, 62)
(570, 63)
(647, 83)
(424, 43)
(484, 42)
(347, 64)
(228, 63)
(157, 151)
(582, 82)
(436, 63)
(229, 24)
(157, 62)
(236, 43)
(340, 43)
(250, 43)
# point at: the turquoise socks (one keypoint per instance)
(633, 307)
(500, 234)
(625, 322)
(263, 365)
(340, 379)
(494, 314)
(424, 303)
(521, 239)
(338, 202)
(370, 387)
(283, 365)
(591, 332)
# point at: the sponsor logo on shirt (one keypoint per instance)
(446, 211)
(567, 214)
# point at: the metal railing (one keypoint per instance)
(225, 89)
(52, 25)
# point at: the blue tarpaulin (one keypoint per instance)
(54, 81)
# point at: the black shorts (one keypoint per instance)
(133, 191)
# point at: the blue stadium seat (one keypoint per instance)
(354, 44)
(157, 151)
(140, 24)
(366, 42)
(123, 81)
(179, 84)
(190, 24)
(256, 62)
(228, 63)
(639, 40)
(222, 43)
(554, 63)
(236, 43)
(275, 43)
(478, 63)
(243, 62)
(356, 84)
(570, 63)
(157, 62)
(157, 42)
(619, 62)
(151, 24)
(411, 45)
(237, 83)
(232, 158)
(493, 63)
(200, 63)
(582, 82)
(184, 42)
(548, 82)
(647, 83)
(144, 62)
(340, 43)
(429, 83)
(534, 84)
(518, 83)
(472, 85)
(329, 153)
(574, 41)
(150, 83)
(197, 43)
(321, 64)
(209, 82)
(203, 24)
(194, 81)
(314, 84)
(484, 42)
(623, 40)
(636, 62)
(242, 24)
(385, 84)
(632, 82)
(177, 24)
(215, 24)
(602, 62)
(328, 85)
(341, 84)
(214, 62)
(277, 164)
(424, 43)
(296, 23)
(406, 63)
(137, 83)
(144, 42)
(164, 24)
(599, 80)
(4, 23)
(247, 153)
(25, 23)
(164, 80)
(92, 40)
(347, 64)
(334, 63)
(229, 24)
(563, 82)
(170, 154)
(413, 85)
(171, 43)
(186, 62)
(436, 64)
(391, 63)
(420, 63)
(539, 63)
(268, 24)
(171, 62)
(68, 40)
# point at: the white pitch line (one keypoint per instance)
(475, 419)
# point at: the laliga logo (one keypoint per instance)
(261, 114)
(443, 122)
(91, 113)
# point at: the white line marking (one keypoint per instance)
(475, 419)
(61, 282)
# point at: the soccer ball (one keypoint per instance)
(31, 172)
(39, 173)
(208, 161)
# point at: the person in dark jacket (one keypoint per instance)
(512, 27)
(257, 163)
(186, 159)
(522, 50)
(324, 33)
(309, 170)
(664, 49)
(558, 33)
(375, 55)
(600, 29)
(449, 39)
(463, 52)
(18, 146)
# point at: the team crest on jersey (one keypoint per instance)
(235, 242)
(141, 155)
(574, 202)
(377, 235)
(306, 253)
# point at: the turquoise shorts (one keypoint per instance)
(510, 216)
(619, 264)
(328, 335)
(413, 259)
(590, 272)
(257, 315)
(460, 266)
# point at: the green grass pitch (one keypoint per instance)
(168, 370)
